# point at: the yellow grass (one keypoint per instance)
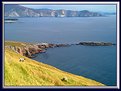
(33, 73)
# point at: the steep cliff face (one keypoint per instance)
(20, 11)
(27, 49)
(24, 49)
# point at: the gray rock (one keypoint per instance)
(95, 43)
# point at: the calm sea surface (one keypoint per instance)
(98, 63)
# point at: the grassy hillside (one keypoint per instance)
(15, 43)
(33, 73)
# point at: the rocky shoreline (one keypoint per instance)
(29, 50)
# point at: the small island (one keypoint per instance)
(96, 43)
(10, 20)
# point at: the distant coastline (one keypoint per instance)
(21, 11)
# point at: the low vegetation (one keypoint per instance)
(32, 73)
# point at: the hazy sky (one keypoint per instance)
(100, 8)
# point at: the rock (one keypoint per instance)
(95, 43)
(43, 45)
(52, 45)
(27, 50)
(62, 45)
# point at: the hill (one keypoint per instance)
(33, 73)
(14, 10)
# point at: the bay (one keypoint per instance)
(98, 63)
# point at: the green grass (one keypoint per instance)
(13, 43)
(33, 73)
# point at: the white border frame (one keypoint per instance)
(72, 87)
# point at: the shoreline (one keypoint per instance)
(29, 49)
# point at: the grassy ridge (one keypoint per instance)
(33, 73)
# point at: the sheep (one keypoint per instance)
(21, 59)
(64, 79)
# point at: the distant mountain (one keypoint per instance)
(21, 11)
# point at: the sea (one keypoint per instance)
(95, 62)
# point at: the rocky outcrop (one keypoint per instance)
(29, 50)
(96, 43)
(47, 45)
(59, 45)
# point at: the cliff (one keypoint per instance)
(28, 49)
(24, 49)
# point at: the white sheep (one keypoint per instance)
(21, 59)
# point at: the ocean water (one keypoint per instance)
(97, 63)
(62, 30)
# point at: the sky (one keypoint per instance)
(96, 8)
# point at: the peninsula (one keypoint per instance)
(23, 71)
(28, 49)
